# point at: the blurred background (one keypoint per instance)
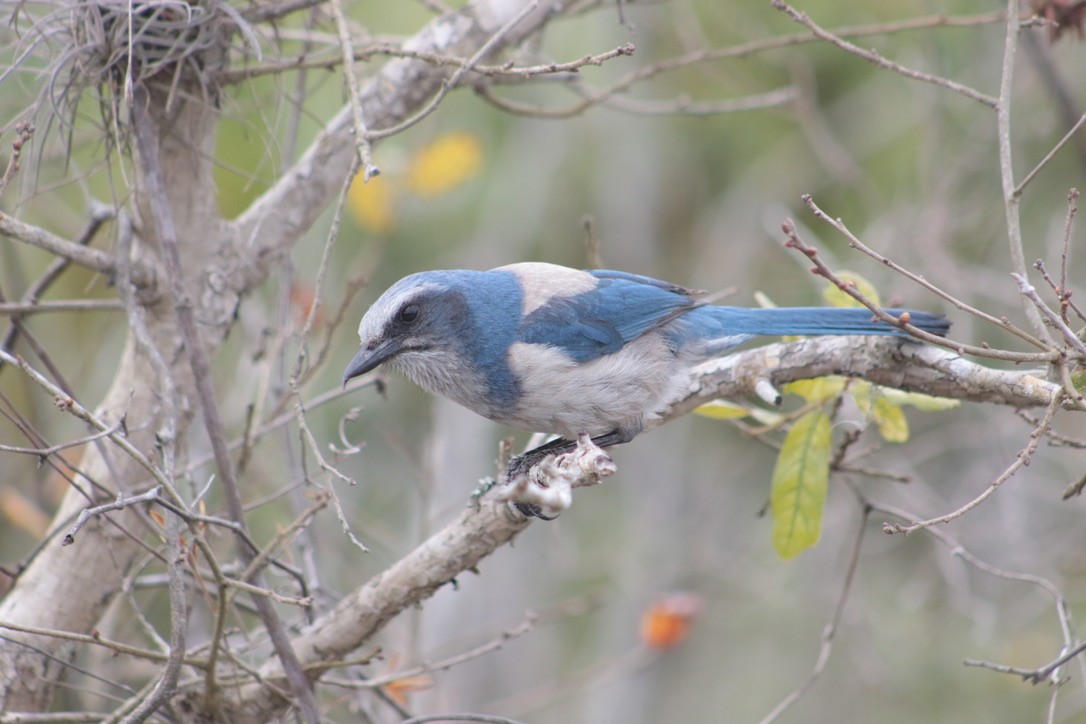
(911, 167)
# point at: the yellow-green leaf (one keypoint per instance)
(766, 417)
(837, 298)
(927, 403)
(720, 410)
(875, 403)
(891, 420)
(819, 389)
(799, 484)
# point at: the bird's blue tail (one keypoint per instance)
(730, 326)
(813, 320)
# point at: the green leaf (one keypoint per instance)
(837, 298)
(819, 389)
(720, 410)
(800, 480)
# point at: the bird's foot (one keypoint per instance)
(542, 487)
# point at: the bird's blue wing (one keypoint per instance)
(621, 308)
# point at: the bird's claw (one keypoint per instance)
(543, 488)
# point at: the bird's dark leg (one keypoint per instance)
(521, 464)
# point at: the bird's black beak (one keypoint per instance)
(368, 359)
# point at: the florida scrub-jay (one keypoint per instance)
(545, 348)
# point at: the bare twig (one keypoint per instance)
(822, 269)
(1021, 460)
(299, 367)
(99, 215)
(167, 681)
(24, 131)
(483, 718)
(46, 451)
(60, 305)
(873, 57)
(1072, 209)
(119, 504)
(855, 243)
(452, 81)
(503, 73)
(87, 257)
(831, 628)
(493, 645)
(1030, 292)
(1021, 187)
(97, 640)
(362, 140)
(1071, 646)
(1011, 198)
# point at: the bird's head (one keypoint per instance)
(448, 332)
(421, 316)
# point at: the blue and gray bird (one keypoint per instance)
(545, 348)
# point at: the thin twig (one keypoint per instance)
(167, 681)
(87, 257)
(120, 503)
(46, 451)
(1030, 292)
(99, 215)
(1021, 187)
(493, 645)
(822, 269)
(1065, 254)
(1021, 460)
(362, 140)
(452, 81)
(484, 718)
(1061, 291)
(98, 640)
(1071, 647)
(61, 305)
(855, 243)
(872, 57)
(830, 631)
(24, 131)
(1006, 162)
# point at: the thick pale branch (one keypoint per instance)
(889, 361)
(449, 553)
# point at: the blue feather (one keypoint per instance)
(620, 309)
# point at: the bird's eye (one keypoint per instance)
(409, 314)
